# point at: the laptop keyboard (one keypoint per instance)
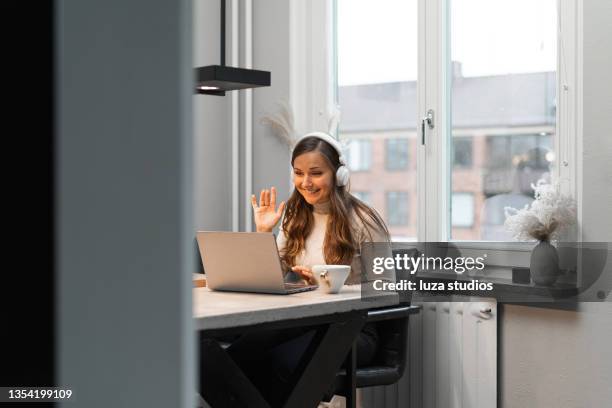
(299, 287)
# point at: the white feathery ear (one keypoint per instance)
(282, 123)
(344, 144)
(334, 120)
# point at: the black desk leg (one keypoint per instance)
(351, 377)
(322, 361)
(222, 382)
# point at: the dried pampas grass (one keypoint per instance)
(546, 218)
(282, 124)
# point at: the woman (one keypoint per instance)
(322, 224)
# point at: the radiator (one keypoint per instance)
(452, 360)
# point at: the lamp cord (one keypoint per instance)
(222, 32)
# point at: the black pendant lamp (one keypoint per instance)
(217, 79)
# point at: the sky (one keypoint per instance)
(377, 39)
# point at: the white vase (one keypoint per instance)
(544, 264)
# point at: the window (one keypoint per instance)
(359, 155)
(515, 162)
(463, 210)
(462, 152)
(376, 88)
(397, 208)
(396, 154)
(363, 196)
(503, 80)
(494, 90)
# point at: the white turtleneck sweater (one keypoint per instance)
(313, 253)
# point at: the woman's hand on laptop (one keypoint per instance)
(265, 214)
(306, 274)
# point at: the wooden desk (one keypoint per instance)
(214, 310)
(340, 317)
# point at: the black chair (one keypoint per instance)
(389, 363)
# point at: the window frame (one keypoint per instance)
(312, 66)
(433, 162)
(312, 62)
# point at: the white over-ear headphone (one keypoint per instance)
(343, 173)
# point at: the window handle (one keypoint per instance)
(429, 119)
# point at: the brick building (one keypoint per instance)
(502, 141)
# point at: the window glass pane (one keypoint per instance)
(363, 196)
(396, 154)
(462, 152)
(463, 210)
(503, 101)
(514, 162)
(359, 155)
(376, 63)
(397, 208)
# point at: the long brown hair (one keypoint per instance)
(339, 243)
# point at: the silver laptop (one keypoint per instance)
(244, 262)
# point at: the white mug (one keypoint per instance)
(331, 277)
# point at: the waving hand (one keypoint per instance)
(265, 214)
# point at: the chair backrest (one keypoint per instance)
(405, 296)
(393, 333)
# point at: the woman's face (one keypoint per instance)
(313, 177)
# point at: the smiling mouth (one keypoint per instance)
(312, 191)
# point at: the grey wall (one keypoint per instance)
(124, 202)
(212, 128)
(554, 358)
(270, 52)
(213, 115)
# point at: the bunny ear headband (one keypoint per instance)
(283, 125)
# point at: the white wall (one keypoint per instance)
(597, 180)
(555, 358)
